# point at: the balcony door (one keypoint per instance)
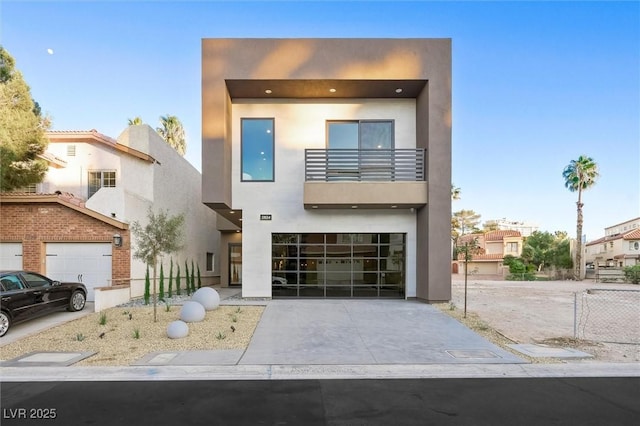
(364, 149)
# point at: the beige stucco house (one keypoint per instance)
(491, 248)
(95, 181)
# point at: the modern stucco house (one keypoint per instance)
(75, 224)
(330, 163)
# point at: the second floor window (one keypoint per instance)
(257, 146)
(99, 179)
(512, 247)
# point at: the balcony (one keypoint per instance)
(365, 178)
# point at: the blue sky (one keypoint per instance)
(535, 84)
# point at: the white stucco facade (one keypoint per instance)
(299, 125)
(162, 181)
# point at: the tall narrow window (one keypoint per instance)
(257, 149)
(99, 179)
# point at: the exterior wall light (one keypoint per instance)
(117, 240)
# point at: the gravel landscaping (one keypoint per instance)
(123, 335)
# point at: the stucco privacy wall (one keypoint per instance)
(349, 61)
(35, 224)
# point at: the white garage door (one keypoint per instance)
(89, 263)
(10, 256)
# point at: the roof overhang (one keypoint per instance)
(53, 198)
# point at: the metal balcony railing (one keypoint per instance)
(362, 165)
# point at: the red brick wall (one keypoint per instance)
(34, 224)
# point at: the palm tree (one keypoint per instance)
(173, 133)
(135, 122)
(455, 192)
(579, 175)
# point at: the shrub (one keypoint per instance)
(193, 278)
(171, 278)
(186, 274)
(147, 287)
(178, 280)
(199, 280)
(161, 289)
(103, 318)
(632, 274)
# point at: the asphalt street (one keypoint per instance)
(512, 401)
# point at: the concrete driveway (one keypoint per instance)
(25, 329)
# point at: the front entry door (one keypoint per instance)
(235, 264)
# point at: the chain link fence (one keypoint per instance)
(607, 315)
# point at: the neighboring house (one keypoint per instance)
(118, 180)
(619, 247)
(491, 248)
(525, 229)
(319, 154)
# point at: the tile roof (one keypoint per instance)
(66, 199)
(632, 235)
(499, 235)
(93, 136)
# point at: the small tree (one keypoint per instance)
(186, 273)
(178, 279)
(467, 249)
(161, 296)
(162, 234)
(171, 278)
(199, 280)
(193, 278)
(147, 287)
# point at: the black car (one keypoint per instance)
(26, 295)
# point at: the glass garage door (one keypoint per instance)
(369, 265)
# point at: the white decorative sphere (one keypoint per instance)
(207, 297)
(177, 330)
(192, 312)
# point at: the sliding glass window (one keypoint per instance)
(257, 149)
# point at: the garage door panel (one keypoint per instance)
(10, 256)
(89, 263)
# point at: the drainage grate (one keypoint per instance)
(468, 354)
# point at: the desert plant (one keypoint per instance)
(79, 337)
(221, 335)
(234, 318)
(167, 307)
(199, 279)
(171, 278)
(103, 318)
(161, 283)
(178, 280)
(238, 310)
(147, 287)
(452, 306)
(136, 333)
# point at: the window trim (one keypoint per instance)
(273, 149)
(102, 177)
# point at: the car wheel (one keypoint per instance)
(5, 323)
(77, 301)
